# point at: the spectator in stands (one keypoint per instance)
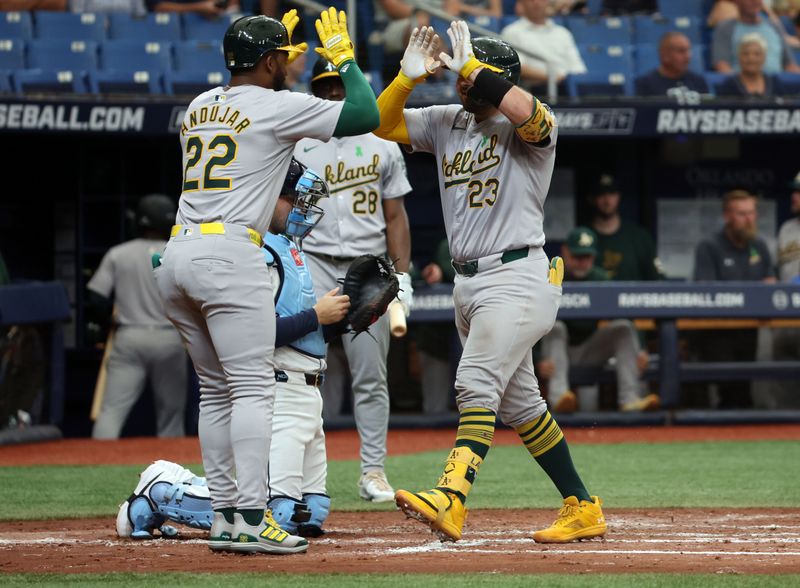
(583, 343)
(721, 11)
(751, 81)
(620, 7)
(786, 342)
(542, 45)
(624, 250)
(566, 7)
(729, 33)
(735, 253)
(396, 19)
(672, 77)
(208, 8)
(727, 9)
(433, 340)
(467, 8)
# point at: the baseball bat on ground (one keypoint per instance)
(397, 319)
(100, 384)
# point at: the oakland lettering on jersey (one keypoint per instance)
(464, 165)
(215, 114)
(348, 177)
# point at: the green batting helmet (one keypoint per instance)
(250, 37)
(499, 54)
(156, 212)
(323, 69)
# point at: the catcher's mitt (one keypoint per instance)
(371, 284)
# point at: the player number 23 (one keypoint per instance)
(223, 149)
(365, 202)
(476, 195)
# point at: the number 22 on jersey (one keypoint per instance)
(200, 172)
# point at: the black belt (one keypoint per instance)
(470, 268)
(331, 258)
(311, 379)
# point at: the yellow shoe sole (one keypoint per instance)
(560, 537)
(415, 508)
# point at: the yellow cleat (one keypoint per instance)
(442, 511)
(575, 521)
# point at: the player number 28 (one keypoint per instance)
(223, 149)
(476, 196)
(365, 202)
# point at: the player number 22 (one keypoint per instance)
(223, 148)
(365, 202)
(477, 199)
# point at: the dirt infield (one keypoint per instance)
(344, 444)
(671, 540)
(681, 541)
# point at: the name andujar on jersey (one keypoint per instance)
(361, 174)
(215, 114)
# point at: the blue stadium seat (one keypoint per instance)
(600, 85)
(198, 56)
(160, 26)
(194, 82)
(16, 25)
(507, 20)
(49, 80)
(788, 24)
(790, 82)
(487, 22)
(672, 8)
(375, 79)
(199, 28)
(601, 31)
(509, 6)
(5, 81)
(647, 58)
(72, 27)
(62, 55)
(713, 79)
(650, 29)
(594, 6)
(129, 56)
(12, 54)
(602, 59)
(125, 82)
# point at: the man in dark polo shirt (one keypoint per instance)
(625, 250)
(734, 253)
(581, 342)
(672, 77)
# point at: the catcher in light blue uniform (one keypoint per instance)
(298, 462)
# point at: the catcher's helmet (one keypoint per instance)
(156, 212)
(499, 54)
(323, 69)
(306, 187)
(250, 37)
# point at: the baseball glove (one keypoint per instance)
(371, 284)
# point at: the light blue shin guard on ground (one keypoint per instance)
(289, 513)
(183, 503)
(320, 507)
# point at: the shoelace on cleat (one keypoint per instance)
(565, 515)
(379, 480)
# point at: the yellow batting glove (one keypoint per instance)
(472, 64)
(299, 50)
(332, 30)
(290, 20)
(556, 271)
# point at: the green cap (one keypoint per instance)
(582, 241)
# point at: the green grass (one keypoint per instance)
(722, 474)
(400, 580)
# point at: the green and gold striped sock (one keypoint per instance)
(473, 440)
(546, 443)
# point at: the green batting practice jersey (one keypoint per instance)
(628, 254)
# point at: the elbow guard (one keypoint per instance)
(538, 126)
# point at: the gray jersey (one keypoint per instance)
(492, 183)
(361, 172)
(789, 250)
(237, 144)
(127, 272)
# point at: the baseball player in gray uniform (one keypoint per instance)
(364, 214)
(495, 155)
(144, 344)
(237, 143)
